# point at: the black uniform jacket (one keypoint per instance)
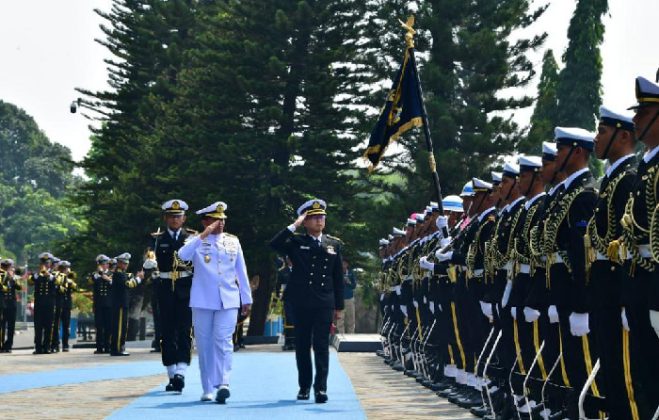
(317, 277)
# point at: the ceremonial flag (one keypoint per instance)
(402, 111)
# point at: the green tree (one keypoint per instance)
(543, 120)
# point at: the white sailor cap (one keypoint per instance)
(481, 186)
(467, 190)
(420, 217)
(616, 119)
(125, 257)
(7, 262)
(510, 170)
(549, 150)
(574, 136)
(530, 163)
(428, 211)
(411, 221)
(398, 232)
(64, 264)
(647, 93)
(497, 177)
(46, 256)
(452, 203)
(102, 259)
(383, 242)
(434, 206)
(215, 210)
(55, 260)
(174, 207)
(313, 207)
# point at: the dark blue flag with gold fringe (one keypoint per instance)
(402, 111)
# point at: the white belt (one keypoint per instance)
(463, 267)
(168, 274)
(557, 258)
(509, 266)
(524, 268)
(601, 257)
(478, 273)
(645, 251)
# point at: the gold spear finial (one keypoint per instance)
(409, 27)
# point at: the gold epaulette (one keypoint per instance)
(157, 233)
(335, 238)
(191, 231)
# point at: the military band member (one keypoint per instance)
(67, 288)
(220, 289)
(171, 284)
(101, 281)
(316, 291)
(44, 304)
(122, 282)
(641, 226)
(11, 286)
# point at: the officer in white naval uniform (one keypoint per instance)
(219, 285)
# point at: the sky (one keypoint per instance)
(47, 49)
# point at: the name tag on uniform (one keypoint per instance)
(163, 245)
(304, 247)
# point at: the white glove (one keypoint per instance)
(443, 243)
(150, 264)
(403, 309)
(531, 314)
(513, 312)
(415, 304)
(623, 316)
(425, 264)
(440, 308)
(506, 294)
(443, 256)
(442, 222)
(553, 314)
(397, 290)
(486, 308)
(431, 306)
(579, 324)
(654, 320)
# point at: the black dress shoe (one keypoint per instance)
(559, 415)
(119, 353)
(99, 351)
(170, 386)
(470, 401)
(303, 394)
(65, 349)
(222, 395)
(178, 382)
(320, 397)
(481, 411)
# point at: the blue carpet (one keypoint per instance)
(23, 381)
(263, 385)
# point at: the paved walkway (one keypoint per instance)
(58, 386)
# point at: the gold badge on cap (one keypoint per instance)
(316, 205)
(176, 205)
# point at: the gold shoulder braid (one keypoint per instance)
(607, 244)
(654, 221)
(553, 223)
(633, 232)
(523, 239)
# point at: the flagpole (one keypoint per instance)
(409, 40)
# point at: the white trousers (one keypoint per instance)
(213, 330)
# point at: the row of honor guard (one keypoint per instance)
(536, 295)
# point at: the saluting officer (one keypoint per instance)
(122, 282)
(315, 290)
(173, 278)
(220, 289)
(101, 280)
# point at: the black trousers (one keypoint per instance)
(2, 327)
(44, 313)
(9, 321)
(103, 324)
(312, 325)
(65, 317)
(57, 316)
(119, 329)
(175, 326)
(155, 308)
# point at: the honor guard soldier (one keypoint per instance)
(171, 286)
(44, 304)
(641, 227)
(565, 228)
(122, 282)
(101, 280)
(615, 143)
(11, 286)
(67, 288)
(316, 291)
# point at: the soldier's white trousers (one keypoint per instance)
(213, 330)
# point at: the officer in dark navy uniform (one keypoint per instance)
(172, 279)
(122, 282)
(11, 286)
(44, 304)
(101, 280)
(315, 290)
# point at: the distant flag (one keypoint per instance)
(402, 111)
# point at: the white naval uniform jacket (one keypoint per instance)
(220, 276)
